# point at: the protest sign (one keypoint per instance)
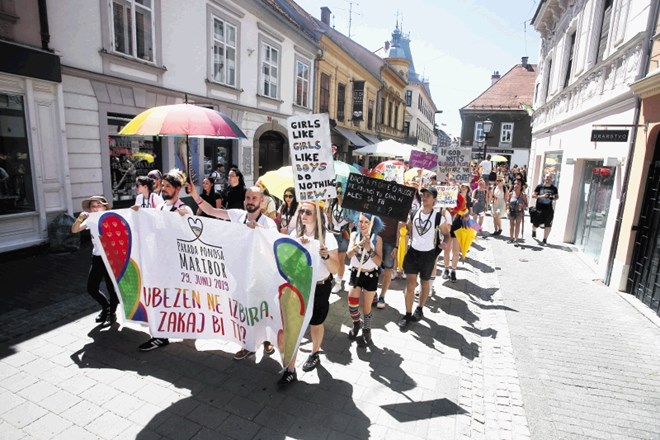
(393, 173)
(422, 159)
(311, 157)
(447, 196)
(378, 197)
(454, 165)
(198, 278)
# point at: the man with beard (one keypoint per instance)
(252, 217)
(170, 186)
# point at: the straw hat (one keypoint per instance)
(86, 204)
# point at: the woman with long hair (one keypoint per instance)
(233, 196)
(157, 177)
(479, 202)
(498, 196)
(208, 195)
(287, 212)
(517, 203)
(147, 197)
(310, 235)
(366, 253)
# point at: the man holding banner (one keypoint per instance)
(251, 217)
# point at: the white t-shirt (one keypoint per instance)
(486, 167)
(322, 272)
(153, 201)
(367, 263)
(240, 216)
(423, 231)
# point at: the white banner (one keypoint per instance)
(311, 157)
(200, 278)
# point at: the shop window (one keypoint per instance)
(130, 156)
(552, 165)
(16, 188)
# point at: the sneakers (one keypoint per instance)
(243, 353)
(445, 274)
(374, 302)
(287, 378)
(453, 276)
(337, 287)
(418, 314)
(366, 336)
(381, 303)
(498, 232)
(353, 333)
(533, 234)
(544, 242)
(404, 322)
(110, 319)
(154, 343)
(312, 362)
(268, 348)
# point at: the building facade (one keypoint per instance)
(34, 170)
(591, 51)
(507, 103)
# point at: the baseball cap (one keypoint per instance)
(432, 190)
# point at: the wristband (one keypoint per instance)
(199, 201)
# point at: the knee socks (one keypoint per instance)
(367, 321)
(354, 308)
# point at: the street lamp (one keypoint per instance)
(487, 127)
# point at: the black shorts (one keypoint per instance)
(544, 217)
(367, 280)
(456, 225)
(419, 262)
(321, 302)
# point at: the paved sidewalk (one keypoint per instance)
(490, 360)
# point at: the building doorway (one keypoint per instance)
(596, 192)
(271, 152)
(644, 276)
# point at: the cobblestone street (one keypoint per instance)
(524, 345)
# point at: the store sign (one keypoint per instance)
(609, 135)
(358, 100)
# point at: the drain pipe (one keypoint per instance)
(648, 43)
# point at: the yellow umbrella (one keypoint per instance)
(465, 237)
(143, 156)
(550, 161)
(277, 181)
(498, 158)
(403, 247)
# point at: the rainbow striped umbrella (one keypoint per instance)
(182, 120)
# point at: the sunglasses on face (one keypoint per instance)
(306, 212)
(288, 196)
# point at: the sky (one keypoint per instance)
(455, 44)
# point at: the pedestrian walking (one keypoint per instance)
(146, 197)
(97, 269)
(498, 197)
(340, 225)
(287, 215)
(307, 231)
(545, 194)
(517, 203)
(366, 255)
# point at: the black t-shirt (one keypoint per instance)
(210, 198)
(543, 203)
(233, 197)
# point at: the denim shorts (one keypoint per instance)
(342, 243)
(388, 260)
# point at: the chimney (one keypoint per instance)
(524, 62)
(387, 45)
(494, 77)
(325, 15)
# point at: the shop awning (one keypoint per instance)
(351, 136)
(369, 137)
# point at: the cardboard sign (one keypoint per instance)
(422, 159)
(393, 173)
(378, 197)
(454, 165)
(311, 157)
(447, 196)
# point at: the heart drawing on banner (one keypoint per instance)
(196, 226)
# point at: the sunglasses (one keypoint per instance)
(288, 196)
(306, 212)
